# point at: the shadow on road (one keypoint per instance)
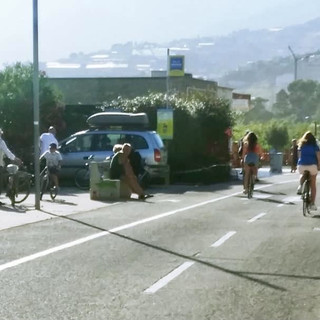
(240, 274)
(15, 209)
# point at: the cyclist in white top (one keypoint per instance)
(4, 151)
(53, 162)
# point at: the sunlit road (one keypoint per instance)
(192, 253)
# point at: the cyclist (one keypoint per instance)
(250, 154)
(53, 162)
(4, 151)
(309, 159)
(240, 150)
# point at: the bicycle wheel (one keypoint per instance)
(306, 198)
(53, 192)
(22, 182)
(250, 185)
(82, 179)
(44, 183)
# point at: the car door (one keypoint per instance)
(77, 149)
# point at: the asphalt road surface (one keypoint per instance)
(191, 252)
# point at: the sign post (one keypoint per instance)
(165, 123)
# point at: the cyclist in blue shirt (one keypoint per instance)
(309, 159)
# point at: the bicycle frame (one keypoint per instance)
(45, 184)
(18, 184)
(306, 193)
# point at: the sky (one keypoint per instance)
(73, 26)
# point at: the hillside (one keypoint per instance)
(257, 62)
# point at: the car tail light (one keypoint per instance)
(157, 155)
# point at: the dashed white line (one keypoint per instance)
(316, 229)
(258, 216)
(223, 239)
(169, 277)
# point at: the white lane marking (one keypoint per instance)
(169, 277)
(223, 239)
(104, 233)
(316, 229)
(261, 196)
(52, 250)
(169, 200)
(280, 205)
(258, 216)
(100, 234)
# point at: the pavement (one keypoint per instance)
(70, 201)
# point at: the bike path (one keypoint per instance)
(69, 201)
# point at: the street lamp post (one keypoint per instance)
(36, 104)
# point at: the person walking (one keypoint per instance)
(309, 159)
(46, 139)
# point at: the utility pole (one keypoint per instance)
(167, 79)
(36, 104)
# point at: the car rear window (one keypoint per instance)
(106, 141)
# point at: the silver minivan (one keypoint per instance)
(96, 142)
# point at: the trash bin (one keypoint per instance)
(276, 160)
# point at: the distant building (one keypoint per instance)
(95, 91)
(241, 102)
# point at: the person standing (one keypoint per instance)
(309, 159)
(294, 155)
(46, 139)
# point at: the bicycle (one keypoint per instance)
(306, 193)
(82, 175)
(18, 184)
(46, 184)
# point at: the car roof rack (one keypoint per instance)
(118, 121)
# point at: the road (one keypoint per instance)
(191, 252)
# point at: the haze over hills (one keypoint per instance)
(257, 62)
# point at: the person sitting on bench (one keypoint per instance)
(120, 168)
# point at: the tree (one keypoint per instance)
(258, 112)
(304, 98)
(277, 136)
(200, 122)
(16, 107)
(282, 107)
